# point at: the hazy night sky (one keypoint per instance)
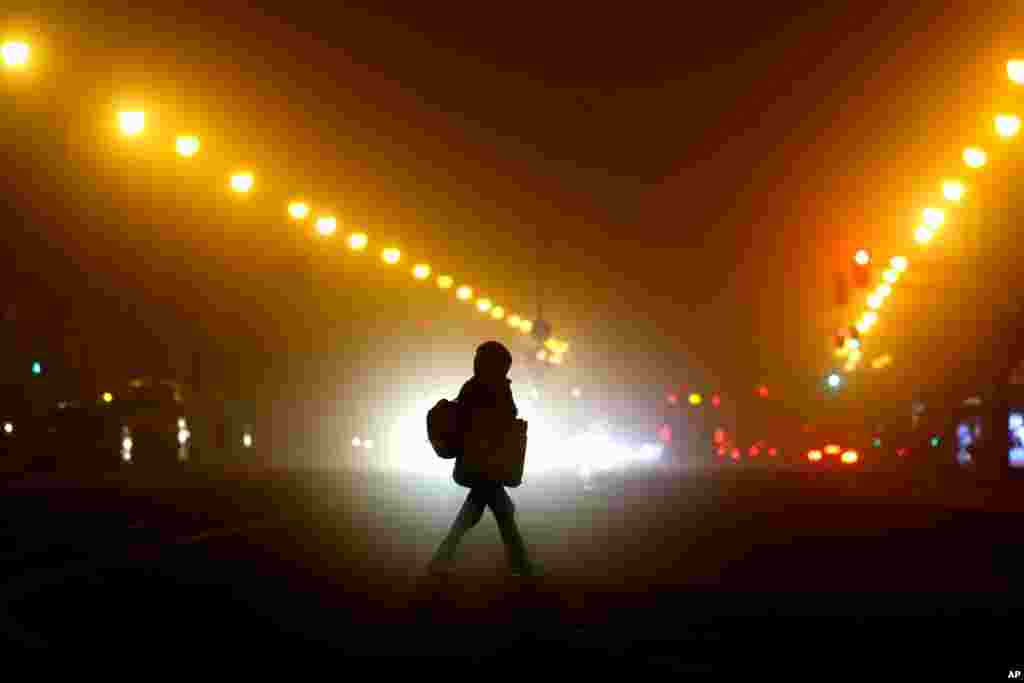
(698, 173)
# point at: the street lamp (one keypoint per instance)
(242, 182)
(15, 54)
(326, 225)
(923, 235)
(1007, 125)
(132, 122)
(934, 218)
(187, 146)
(298, 210)
(1015, 70)
(975, 157)
(953, 190)
(357, 241)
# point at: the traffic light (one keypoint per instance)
(37, 368)
(665, 433)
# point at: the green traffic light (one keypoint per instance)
(877, 443)
(37, 368)
(936, 441)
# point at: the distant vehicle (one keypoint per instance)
(16, 427)
(222, 430)
(154, 424)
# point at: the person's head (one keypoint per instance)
(492, 361)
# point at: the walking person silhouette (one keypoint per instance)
(485, 403)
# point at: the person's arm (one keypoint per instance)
(464, 409)
(512, 401)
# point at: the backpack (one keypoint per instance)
(443, 428)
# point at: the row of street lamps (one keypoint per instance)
(132, 123)
(932, 219)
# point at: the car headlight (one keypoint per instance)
(8, 427)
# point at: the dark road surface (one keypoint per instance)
(669, 571)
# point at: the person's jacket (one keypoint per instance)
(483, 405)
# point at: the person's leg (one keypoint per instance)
(515, 549)
(469, 515)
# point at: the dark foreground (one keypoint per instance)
(724, 573)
